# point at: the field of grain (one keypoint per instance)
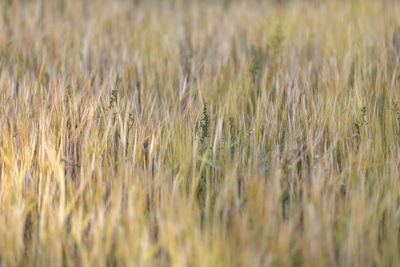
(200, 133)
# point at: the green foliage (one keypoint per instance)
(277, 40)
(232, 130)
(258, 56)
(130, 121)
(205, 124)
(113, 99)
(396, 110)
(233, 134)
(361, 121)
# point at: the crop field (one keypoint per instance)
(200, 133)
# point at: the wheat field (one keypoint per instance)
(199, 133)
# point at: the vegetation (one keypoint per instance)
(200, 133)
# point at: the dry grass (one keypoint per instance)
(106, 157)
